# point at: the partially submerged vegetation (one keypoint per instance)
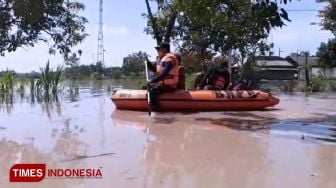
(321, 83)
(6, 82)
(49, 79)
(40, 89)
(6, 89)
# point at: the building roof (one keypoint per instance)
(272, 62)
(301, 60)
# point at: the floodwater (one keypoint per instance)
(290, 145)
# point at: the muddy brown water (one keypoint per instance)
(290, 145)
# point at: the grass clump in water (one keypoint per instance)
(49, 80)
(6, 82)
(6, 90)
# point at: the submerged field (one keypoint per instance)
(290, 145)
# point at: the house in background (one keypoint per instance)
(270, 68)
(314, 67)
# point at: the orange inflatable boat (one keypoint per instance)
(195, 100)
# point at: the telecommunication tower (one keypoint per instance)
(100, 51)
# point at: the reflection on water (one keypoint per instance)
(6, 102)
(68, 144)
(14, 152)
(185, 153)
(181, 157)
(322, 127)
(296, 118)
(26, 141)
(51, 107)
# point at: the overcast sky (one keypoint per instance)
(123, 34)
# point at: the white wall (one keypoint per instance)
(331, 73)
(315, 71)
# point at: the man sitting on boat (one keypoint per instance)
(217, 77)
(167, 72)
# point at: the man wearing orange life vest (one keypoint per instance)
(167, 72)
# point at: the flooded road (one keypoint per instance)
(291, 145)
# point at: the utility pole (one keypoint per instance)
(306, 70)
(297, 56)
(100, 50)
(280, 52)
(298, 64)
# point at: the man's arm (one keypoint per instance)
(151, 66)
(227, 79)
(167, 68)
(205, 77)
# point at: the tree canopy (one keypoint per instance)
(219, 25)
(327, 53)
(328, 15)
(134, 64)
(56, 22)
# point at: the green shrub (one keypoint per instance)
(319, 83)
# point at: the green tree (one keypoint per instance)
(227, 25)
(192, 62)
(114, 72)
(73, 60)
(26, 22)
(220, 25)
(327, 53)
(328, 15)
(133, 64)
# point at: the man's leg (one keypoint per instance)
(156, 91)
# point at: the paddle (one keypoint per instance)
(149, 111)
(148, 90)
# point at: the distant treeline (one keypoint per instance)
(93, 71)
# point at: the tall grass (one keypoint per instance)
(6, 82)
(6, 90)
(49, 79)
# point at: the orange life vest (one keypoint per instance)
(173, 77)
(219, 82)
(181, 83)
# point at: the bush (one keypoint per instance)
(319, 83)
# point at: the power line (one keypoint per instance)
(303, 10)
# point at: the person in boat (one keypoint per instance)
(243, 84)
(167, 72)
(217, 77)
(200, 76)
(238, 82)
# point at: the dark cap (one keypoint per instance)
(163, 45)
